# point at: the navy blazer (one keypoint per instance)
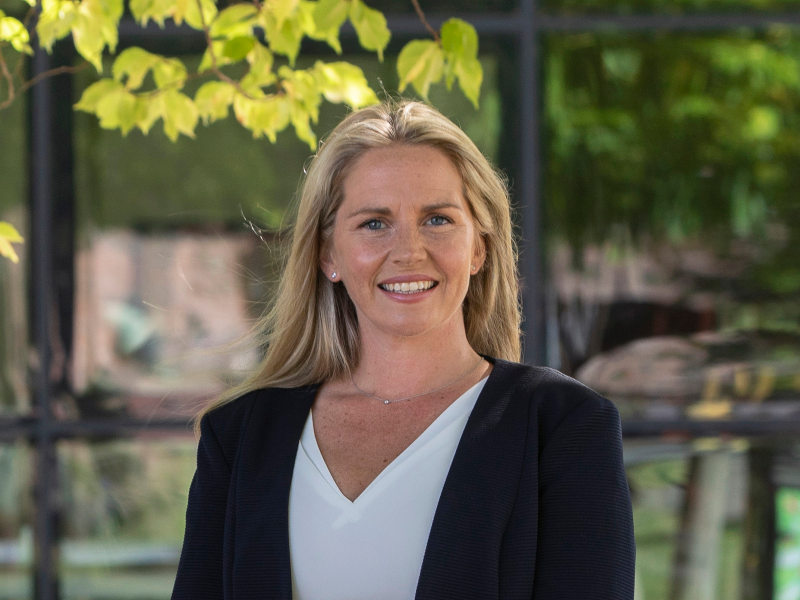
(535, 505)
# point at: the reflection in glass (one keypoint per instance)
(673, 221)
(16, 520)
(14, 393)
(123, 515)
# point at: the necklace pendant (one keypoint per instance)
(386, 402)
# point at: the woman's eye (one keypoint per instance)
(373, 224)
(439, 220)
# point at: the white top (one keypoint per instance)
(371, 548)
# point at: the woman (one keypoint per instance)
(388, 447)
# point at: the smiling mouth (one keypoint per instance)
(412, 287)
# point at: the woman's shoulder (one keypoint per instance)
(554, 396)
(227, 421)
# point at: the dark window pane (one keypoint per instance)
(672, 7)
(14, 393)
(123, 515)
(16, 520)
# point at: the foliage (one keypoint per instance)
(247, 39)
(724, 113)
(9, 234)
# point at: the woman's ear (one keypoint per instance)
(328, 266)
(479, 253)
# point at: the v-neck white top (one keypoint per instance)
(371, 548)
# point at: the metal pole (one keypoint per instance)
(41, 190)
(531, 259)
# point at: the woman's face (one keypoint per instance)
(404, 241)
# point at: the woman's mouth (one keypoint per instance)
(411, 287)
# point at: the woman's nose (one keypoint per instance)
(409, 246)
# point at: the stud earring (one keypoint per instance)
(333, 275)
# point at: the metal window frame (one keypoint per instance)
(52, 218)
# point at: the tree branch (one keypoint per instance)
(9, 80)
(422, 18)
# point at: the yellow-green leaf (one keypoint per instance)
(14, 32)
(281, 10)
(370, 26)
(459, 38)
(9, 232)
(118, 109)
(237, 48)
(169, 73)
(55, 21)
(302, 126)
(260, 73)
(213, 99)
(179, 114)
(309, 27)
(421, 63)
(285, 38)
(344, 82)
(94, 93)
(133, 63)
(217, 47)
(302, 89)
(7, 250)
(470, 77)
(234, 21)
(150, 111)
(263, 116)
(330, 14)
(189, 11)
(157, 10)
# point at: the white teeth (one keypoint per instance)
(408, 288)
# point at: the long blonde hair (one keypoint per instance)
(310, 333)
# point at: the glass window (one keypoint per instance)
(670, 7)
(14, 393)
(178, 247)
(123, 515)
(16, 522)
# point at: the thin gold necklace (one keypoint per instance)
(387, 401)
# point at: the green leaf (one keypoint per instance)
(234, 21)
(420, 63)
(281, 10)
(14, 32)
(94, 93)
(55, 21)
(260, 73)
(460, 47)
(330, 14)
(470, 77)
(302, 89)
(118, 109)
(344, 82)
(169, 73)
(237, 48)
(284, 38)
(370, 26)
(150, 110)
(133, 63)
(309, 27)
(8, 234)
(218, 48)
(157, 10)
(263, 116)
(302, 126)
(189, 10)
(179, 113)
(213, 99)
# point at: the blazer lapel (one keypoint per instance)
(464, 546)
(261, 565)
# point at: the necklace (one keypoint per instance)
(387, 401)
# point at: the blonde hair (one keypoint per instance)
(310, 333)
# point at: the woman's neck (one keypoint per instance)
(394, 366)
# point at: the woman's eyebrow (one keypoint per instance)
(441, 205)
(372, 210)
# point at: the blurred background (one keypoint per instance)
(653, 150)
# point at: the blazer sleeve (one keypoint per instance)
(586, 547)
(200, 567)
